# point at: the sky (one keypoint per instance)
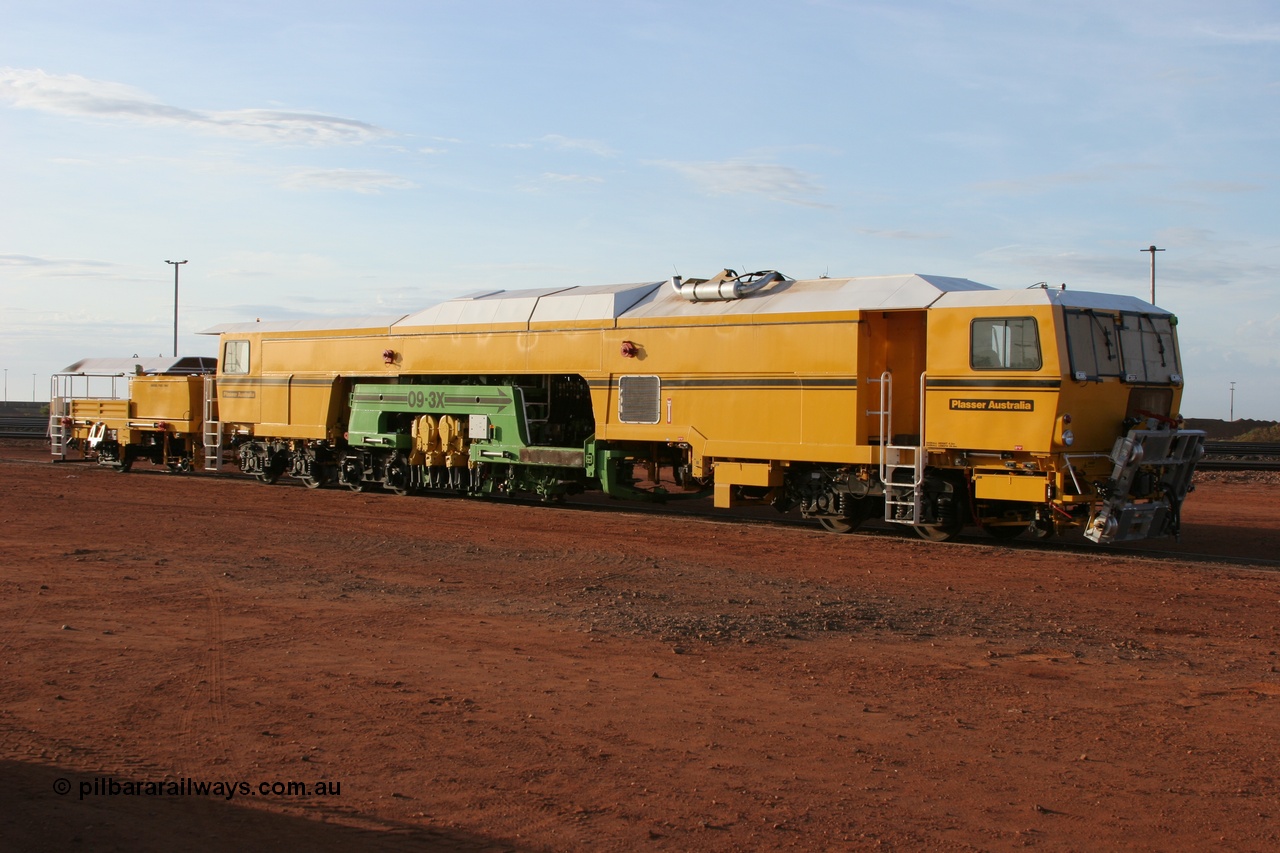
(340, 159)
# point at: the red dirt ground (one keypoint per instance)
(492, 676)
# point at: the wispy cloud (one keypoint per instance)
(23, 261)
(562, 143)
(1037, 183)
(1030, 184)
(53, 266)
(1222, 187)
(750, 177)
(590, 146)
(73, 95)
(891, 234)
(558, 178)
(1268, 34)
(366, 181)
(548, 180)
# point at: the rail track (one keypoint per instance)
(1240, 456)
(1219, 455)
(700, 509)
(24, 426)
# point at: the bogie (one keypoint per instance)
(839, 499)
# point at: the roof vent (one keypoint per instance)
(725, 285)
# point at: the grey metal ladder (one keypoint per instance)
(59, 408)
(900, 493)
(212, 431)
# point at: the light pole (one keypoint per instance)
(1231, 416)
(176, 264)
(1152, 250)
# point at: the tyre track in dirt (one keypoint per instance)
(17, 619)
(204, 716)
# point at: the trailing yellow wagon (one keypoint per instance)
(117, 411)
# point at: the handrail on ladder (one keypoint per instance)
(891, 455)
(886, 419)
(58, 409)
(920, 436)
(212, 427)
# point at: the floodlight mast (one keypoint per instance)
(176, 264)
(1152, 250)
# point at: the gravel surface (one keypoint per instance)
(479, 675)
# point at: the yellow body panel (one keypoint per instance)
(724, 380)
(292, 387)
(1009, 487)
(812, 386)
(749, 473)
(990, 409)
(805, 387)
(114, 413)
(176, 400)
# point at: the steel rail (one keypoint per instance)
(23, 426)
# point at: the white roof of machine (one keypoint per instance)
(184, 365)
(870, 293)
(654, 300)
(502, 306)
(599, 302)
(1050, 296)
(604, 302)
(316, 324)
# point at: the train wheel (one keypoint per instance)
(945, 497)
(351, 474)
(396, 477)
(313, 482)
(273, 466)
(938, 532)
(831, 524)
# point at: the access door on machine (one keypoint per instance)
(893, 362)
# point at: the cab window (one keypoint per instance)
(1004, 343)
(1148, 349)
(1139, 348)
(235, 357)
(1093, 344)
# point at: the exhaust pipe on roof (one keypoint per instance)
(725, 285)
